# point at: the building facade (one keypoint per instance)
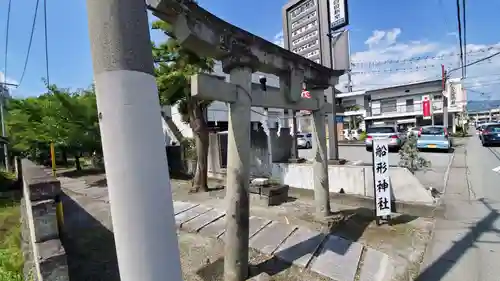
(402, 105)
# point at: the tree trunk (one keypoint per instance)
(64, 156)
(200, 129)
(78, 165)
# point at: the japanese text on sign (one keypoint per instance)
(338, 15)
(382, 183)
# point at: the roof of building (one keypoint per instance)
(437, 82)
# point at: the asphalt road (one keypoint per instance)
(359, 153)
(466, 245)
(431, 177)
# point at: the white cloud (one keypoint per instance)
(279, 40)
(384, 46)
(8, 80)
(381, 38)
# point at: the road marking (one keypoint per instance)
(497, 169)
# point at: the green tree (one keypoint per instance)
(174, 66)
(69, 119)
(410, 157)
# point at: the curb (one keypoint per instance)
(447, 172)
(413, 209)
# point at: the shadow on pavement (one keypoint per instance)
(439, 268)
(81, 173)
(89, 245)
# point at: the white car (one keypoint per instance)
(352, 134)
(304, 140)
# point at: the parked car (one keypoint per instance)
(490, 134)
(304, 140)
(412, 131)
(481, 128)
(396, 137)
(352, 134)
(433, 137)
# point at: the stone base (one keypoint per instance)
(274, 194)
(297, 160)
(337, 162)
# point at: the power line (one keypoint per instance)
(29, 44)
(477, 61)
(420, 58)
(7, 39)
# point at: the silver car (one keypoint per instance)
(304, 140)
(396, 138)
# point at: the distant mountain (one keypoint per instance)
(482, 105)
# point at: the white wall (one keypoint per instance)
(177, 119)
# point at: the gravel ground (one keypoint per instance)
(90, 245)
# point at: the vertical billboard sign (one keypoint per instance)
(339, 17)
(426, 107)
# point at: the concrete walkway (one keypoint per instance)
(327, 255)
(466, 244)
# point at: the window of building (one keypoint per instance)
(388, 106)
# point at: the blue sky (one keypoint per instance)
(398, 30)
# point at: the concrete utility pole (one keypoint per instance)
(238, 174)
(133, 141)
(295, 148)
(3, 94)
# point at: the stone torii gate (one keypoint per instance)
(241, 54)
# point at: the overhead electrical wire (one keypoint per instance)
(421, 58)
(29, 44)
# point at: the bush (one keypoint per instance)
(362, 136)
(7, 179)
(410, 156)
(11, 258)
(189, 147)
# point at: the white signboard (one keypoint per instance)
(338, 14)
(381, 179)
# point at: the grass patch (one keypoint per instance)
(11, 257)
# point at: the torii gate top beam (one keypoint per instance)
(207, 35)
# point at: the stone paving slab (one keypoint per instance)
(215, 229)
(190, 214)
(270, 237)
(78, 187)
(377, 266)
(95, 193)
(256, 224)
(338, 259)
(180, 206)
(299, 248)
(199, 222)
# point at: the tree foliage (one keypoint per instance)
(67, 118)
(410, 157)
(174, 66)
